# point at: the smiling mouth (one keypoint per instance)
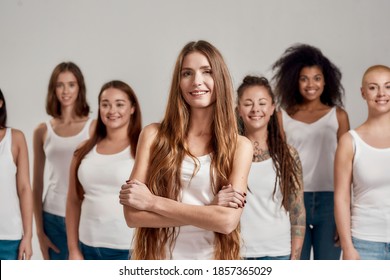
(256, 118)
(113, 118)
(199, 93)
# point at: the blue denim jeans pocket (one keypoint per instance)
(320, 227)
(371, 250)
(99, 253)
(55, 229)
(9, 249)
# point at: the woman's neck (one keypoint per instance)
(310, 106)
(378, 122)
(117, 135)
(260, 147)
(68, 115)
(200, 122)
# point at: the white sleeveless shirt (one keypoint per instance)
(370, 213)
(265, 223)
(59, 152)
(11, 227)
(316, 145)
(102, 222)
(195, 243)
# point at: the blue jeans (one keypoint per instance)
(9, 249)
(320, 227)
(55, 229)
(270, 258)
(371, 250)
(98, 253)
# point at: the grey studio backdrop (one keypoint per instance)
(138, 41)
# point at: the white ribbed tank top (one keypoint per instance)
(102, 223)
(195, 243)
(59, 152)
(370, 213)
(265, 224)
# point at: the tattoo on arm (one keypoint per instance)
(297, 211)
(296, 254)
(295, 202)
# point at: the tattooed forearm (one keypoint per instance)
(296, 253)
(295, 200)
(297, 209)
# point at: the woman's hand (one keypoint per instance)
(228, 197)
(137, 195)
(350, 254)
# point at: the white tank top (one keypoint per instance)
(265, 224)
(102, 223)
(59, 152)
(11, 227)
(370, 213)
(316, 145)
(195, 243)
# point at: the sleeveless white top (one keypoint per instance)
(370, 213)
(102, 222)
(265, 224)
(316, 145)
(11, 227)
(59, 152)
(195, 243)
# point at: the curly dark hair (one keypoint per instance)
(287, 70)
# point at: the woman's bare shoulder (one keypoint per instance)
(150, 130)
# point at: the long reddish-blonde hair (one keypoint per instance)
(170, 147)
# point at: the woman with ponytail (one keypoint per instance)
(273, 223)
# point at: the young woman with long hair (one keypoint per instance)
(184, 161)
(273, 222)
(54, 143)
(95, 224)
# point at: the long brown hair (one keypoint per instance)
(284, 163)
(53, 106)
(170, 147)
(100, 132)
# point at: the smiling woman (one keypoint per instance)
(184, 161)
(273, 223)
(361, 175)
(98, 169)
(310, 94)
(197, 83)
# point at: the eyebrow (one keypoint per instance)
(201, 67)
(106, 100)
(316, 75)
(68, 81)
(263, 98)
